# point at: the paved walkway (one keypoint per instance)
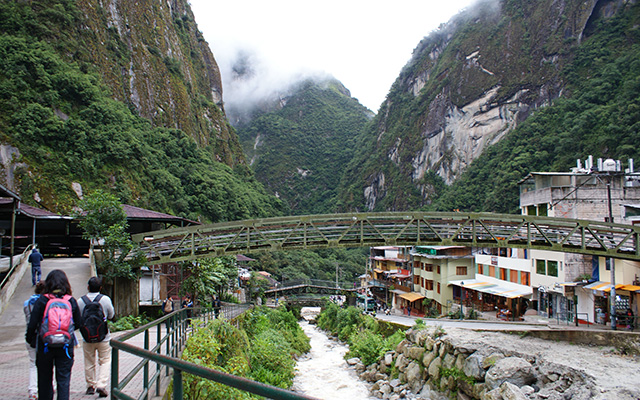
(14, 361)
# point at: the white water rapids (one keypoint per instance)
(323, 372)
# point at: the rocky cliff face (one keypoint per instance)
(466, 86)
(155, 59)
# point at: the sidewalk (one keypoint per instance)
(14, 360)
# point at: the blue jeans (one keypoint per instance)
(45, 363)
(36, 274)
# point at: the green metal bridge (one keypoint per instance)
(392, 228)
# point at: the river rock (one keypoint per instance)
(353, 361)
(473, 366)
(511, 369)
(401, 362)
(506, 391)
(448, 361)
(434, 368)
(428, 357)
(388, 358)
(402, 345)
(414, 352)
(491, 360)
(414, 376)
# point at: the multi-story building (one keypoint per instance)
(501, 282)
(592, 192)
(390, 273)
(434, 267)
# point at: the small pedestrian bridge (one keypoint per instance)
(392, 228)
(311, 286)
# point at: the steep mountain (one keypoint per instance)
(466, 87)
(121, 94)
(300, 142)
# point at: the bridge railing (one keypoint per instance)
(392, 228)
(157, 346)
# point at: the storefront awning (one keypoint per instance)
(604, 286)
(379, 271)
(493, 288)
(630, 288)
(411, 297)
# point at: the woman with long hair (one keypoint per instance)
(54, 342)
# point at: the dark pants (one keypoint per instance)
(36, 273)
(45, 363)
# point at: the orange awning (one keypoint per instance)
(411, 297)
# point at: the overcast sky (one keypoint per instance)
(362, 43)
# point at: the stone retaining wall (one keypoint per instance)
(428, 364)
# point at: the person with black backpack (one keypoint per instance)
(54, 317)
(96, 309)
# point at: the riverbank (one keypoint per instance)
(472, 364)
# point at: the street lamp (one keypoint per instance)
(461, 293)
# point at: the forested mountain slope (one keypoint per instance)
(600, 116)
(300, 145)
(123, 95)
(468, 86)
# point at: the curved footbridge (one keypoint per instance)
(392, 228)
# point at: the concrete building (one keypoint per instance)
(593, 192)
(434, 267)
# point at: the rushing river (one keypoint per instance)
(323, 373)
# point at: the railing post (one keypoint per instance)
(158, 368)
(145, 369)
(177, 384)
(115, 378)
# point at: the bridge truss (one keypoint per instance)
(391, 228)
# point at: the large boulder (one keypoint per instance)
(473, 367)
(414, 376)
(511, 369)
(434, 368)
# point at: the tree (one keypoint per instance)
(104, 221)
(210, 276)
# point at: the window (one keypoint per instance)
(541, 267)
(524, 278)
(481, 269)
(552, 268)
(438, 270)
(438, 287)
(531, 210)
(429, 285)
(542, 210)
(461, 270)
(513, 276)
(416, 279)
(492, 270)
(503, 274)
(428, 267)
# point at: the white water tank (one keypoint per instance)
(609, 165)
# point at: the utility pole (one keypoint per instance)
(612, 263)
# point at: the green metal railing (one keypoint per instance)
(392, 228)
(161, 358)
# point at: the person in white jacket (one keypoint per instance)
(97, 381)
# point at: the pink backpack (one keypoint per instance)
(56, 329)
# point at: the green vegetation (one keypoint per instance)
(303, 146)
(128, 322)
(368, 338)
(62, 118)
(210, 276)
(103, 219)
(601, 116)
(262, 348)
(318, 264)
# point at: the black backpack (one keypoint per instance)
(95, 327)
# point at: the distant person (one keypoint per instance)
(187, 303)
(35, 258)
(33, 370)
(96, 309)
(54, 342)
(167, 305)
(217, 304)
